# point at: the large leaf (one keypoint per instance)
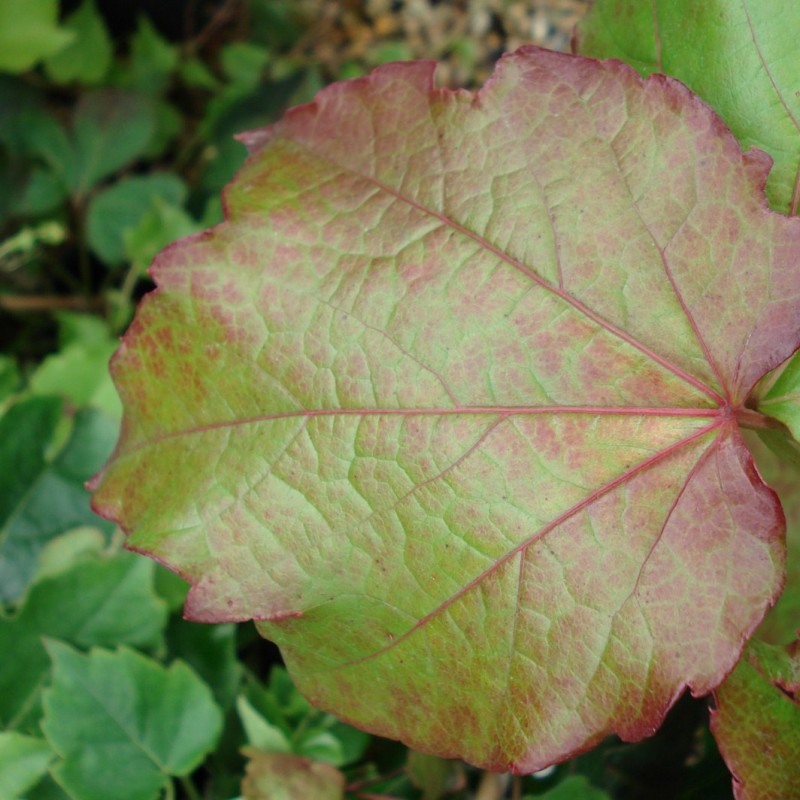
(451, 403)
(757, 723)
(741, 56)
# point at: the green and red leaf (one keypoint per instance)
(757, 723)
(450, 404)
(741, 56)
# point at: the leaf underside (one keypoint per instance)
(449, 404)
(740, 56)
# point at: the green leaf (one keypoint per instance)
(123, 724)
(740, 56)
(261, 734)
(451, 405)
(782, 400)
(435, 777)
(99, 601)
(320, 745)
(110, 129)
(79, 373)
(243, 63)
(210, 650)
(757, 723)
(9, 378)
(43, 496)
(575, 787)
(279, 776)
(162, 224)
(29, 32)
(87, 58)
(781, 470)
(122, 206)
(23, 762)
(153, 60)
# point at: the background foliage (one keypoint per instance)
(115, 139)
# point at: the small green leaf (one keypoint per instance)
(79, 373)
(110, 130)
(87, 58)
(158, 227)
(243, 63)
(194, 72)
(123, 724)
(23, 762)
(61, 554)
(434, 776)
(100, 601)
(757, 723)
(260, 733)
(782, 399)
(122, 206)
(153, 60)
(41, 496)
(280, 776)
(320, 745)
(29, 32)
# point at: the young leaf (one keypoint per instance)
(123, 724)
(280, 776)
(450, 404)
(741, 57)
(757, 723)
(88, 57)
(122, 206)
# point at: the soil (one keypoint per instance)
(348, 37)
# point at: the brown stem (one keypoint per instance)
(10, 302)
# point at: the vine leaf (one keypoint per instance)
(711, 46)
(757, 722)
(450, 404)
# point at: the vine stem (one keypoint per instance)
(755, 420)
(9, 302)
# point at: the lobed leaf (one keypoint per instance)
(757, 723)
(96, 602)
(450, 404)
(740, 56)
(123, 724)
